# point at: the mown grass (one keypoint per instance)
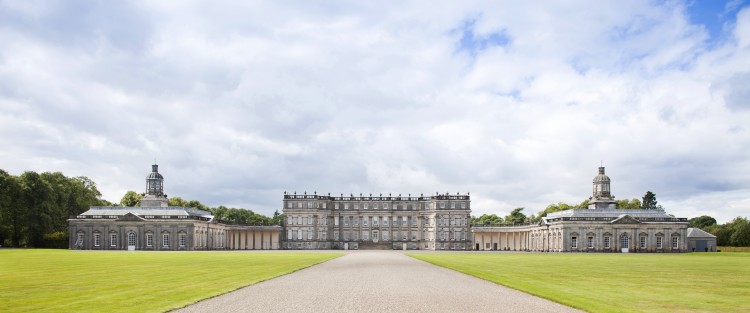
(734, 249)
(694, 282)
(90, 281)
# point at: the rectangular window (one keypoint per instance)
(643, 242)
(375, 221)
(335, 206)
(607, 240)
(289, 234)
(413, 221)
(97, 240)
(442, 205)
(335, 235)
(574, 242)
(299, 234)
(309, 220)
(356, 206)
(335, 221)
(356, 220)
(182, 238)
(365, 235)
(324, 235)
(366, 206)
(299, 205)
(112, 240)
(385, 206)
(165, 240)
(309, 205)
(659, 242)
(346, 221)
(346, 206)
(385, 221)
(404, 221)
(675, 243)
(385, 236)
(365, 221)
(590, 242)
(149, 240)
(324, 205)
(463, 205)
(289, 205)
(309, 235)
(453, 205)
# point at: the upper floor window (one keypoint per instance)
(442, 205)
(463, 205)
(453, 205)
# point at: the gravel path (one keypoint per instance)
(376, 281)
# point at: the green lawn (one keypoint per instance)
(693, 282)
(81, 281)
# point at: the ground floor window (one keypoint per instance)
(149, 240)
(165, 240)
(385, 236)
(590, 242)
(659, 242)
(675, 243)
(624, 242)
(574, 242)
(97, 240)
(643, 243)
(365, 235)
(112, 240)
(486, 245)
(607, 242)
(182, 239)
(131, 239)
(79, 240)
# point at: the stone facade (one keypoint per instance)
(439, 222)
(600, 228)
(158, 227)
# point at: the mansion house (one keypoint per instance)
(436, 222)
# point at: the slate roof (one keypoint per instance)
(613, 213)
(141, 211)
(698, 233)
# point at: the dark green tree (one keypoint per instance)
(516, 217)
(702, 222)
(649, 202)
(38, 203)
(12, 217)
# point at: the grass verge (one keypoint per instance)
(92, 281)
(692, 282)
(734, 249)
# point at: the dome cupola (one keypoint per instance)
(155, 182)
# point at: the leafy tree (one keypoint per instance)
(131, 199)
(489, 219)
(633, 204)
(741, 232)
(177, 201)
(702, 222)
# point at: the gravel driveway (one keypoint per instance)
(376, 281)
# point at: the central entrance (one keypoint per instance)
(375, 236)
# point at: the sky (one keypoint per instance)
(516, 103)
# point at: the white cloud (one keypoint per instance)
(240, 101)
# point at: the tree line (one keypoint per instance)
(35, 207)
